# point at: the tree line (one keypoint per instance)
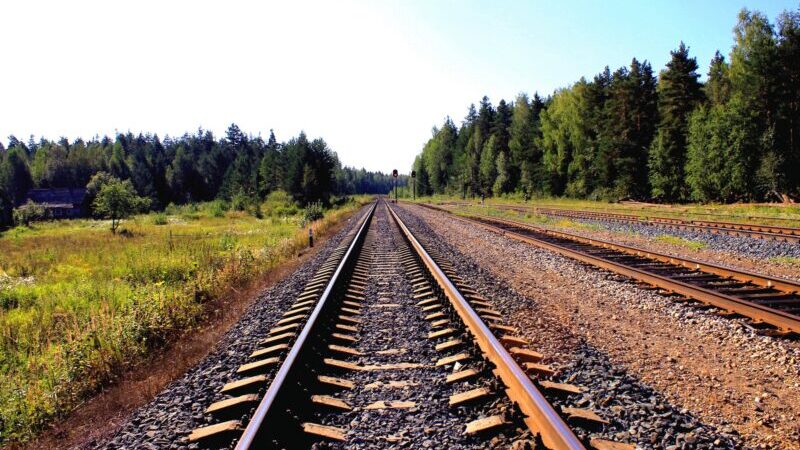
(628, 134)
(191, 168)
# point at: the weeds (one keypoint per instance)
(686, 243)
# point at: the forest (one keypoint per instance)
(632, 134)
(196, 167)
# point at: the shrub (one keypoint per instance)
(29, 212)
(312, 212)
(254, 209)
(218, 208)
(240, 201)
(160, 219)
(117, 200)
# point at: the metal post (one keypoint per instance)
(310, 237)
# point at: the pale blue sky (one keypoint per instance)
(371, 77)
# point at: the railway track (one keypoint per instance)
(771, 303)
(770, 232)
(388, 347)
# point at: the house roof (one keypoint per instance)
(57, 197)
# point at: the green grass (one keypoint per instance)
(786, 260)
(79, 305)
(681, 242)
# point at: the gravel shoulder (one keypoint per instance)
(743, 385)
(166, 421)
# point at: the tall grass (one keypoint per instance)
(79, 305)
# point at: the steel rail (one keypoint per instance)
(254, 427)
(540, 416)
(739, 229)
(780, 319)
(773, 232)
(646, 213)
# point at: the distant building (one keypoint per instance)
(60, 203)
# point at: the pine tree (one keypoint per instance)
(754, 75)
(783, 167)
(628, 128)
(525, 160)
(117, 165)
(488, 167)
(721, 156)
(15, 174)
(500, 125)
(718, 86)
(502, 183)
(679, 93)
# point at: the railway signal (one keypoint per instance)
(394, 176)
(414, 184)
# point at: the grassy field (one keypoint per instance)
(79, 305)
(761, 213)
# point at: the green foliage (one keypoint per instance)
(29, 212)
(488, 165)
(679, 93)
(721, 153)
(681, 242)
(160, 219)
(117, 200)
(219, 208)
(627, 135)
(313, 211)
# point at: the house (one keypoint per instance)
(59, 203)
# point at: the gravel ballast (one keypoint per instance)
(393, 331)
(744, 245)
(669, 376)
(166, 422)
(758, 255)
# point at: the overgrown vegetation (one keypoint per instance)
(628, 135)
(79, 305)
(681, 242)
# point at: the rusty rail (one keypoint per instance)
(772, 232)
(540, 415)
(257, 422)
(785, 321)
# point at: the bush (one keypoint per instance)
(312, 212)
(218, 208)
(240, 201)
(254, 209)
(172, 209)
(29, 212)
(160, 219)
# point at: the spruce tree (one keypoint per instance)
(679, 93)
(488, 165)
(718, 86)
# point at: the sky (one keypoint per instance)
(370, 77)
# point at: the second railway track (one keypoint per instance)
(388, 347)
(768, 232)
(770, 302)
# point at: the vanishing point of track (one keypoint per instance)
(324, 359)
(772, 303)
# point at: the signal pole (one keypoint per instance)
(394, 176)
